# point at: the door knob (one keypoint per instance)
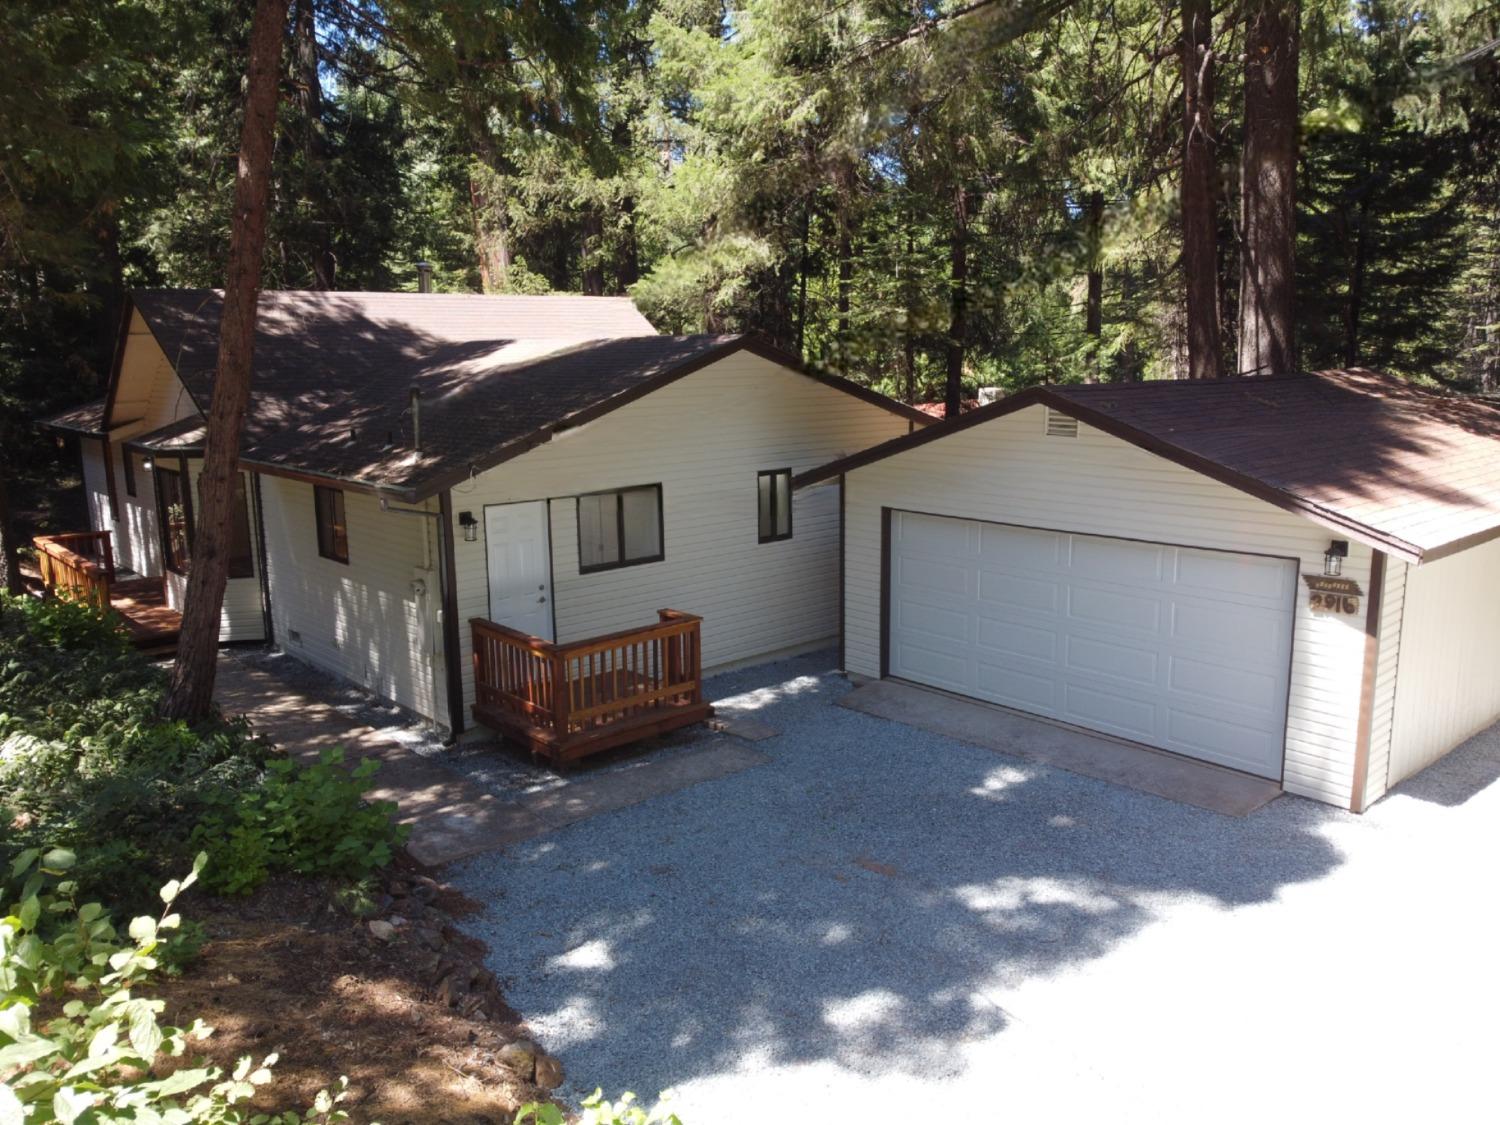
(541, 599)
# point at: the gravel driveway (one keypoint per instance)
(886, 925)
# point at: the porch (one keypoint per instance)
(80, 566)
(567, 701)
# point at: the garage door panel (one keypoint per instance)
(1115, 560)
(935, 537)
(1114, 608)
(930, 574)
(1010, 638)
(924, 619)
(1130, 716)
(1179, 648)
(1019, 548)
(1219, 739)
(1027, 691)
(1120, 661)
(1218, 683)
(1022, 593)
(1256, 633)
(1220, 574)
(933, 665)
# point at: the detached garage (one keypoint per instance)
(1293, 577)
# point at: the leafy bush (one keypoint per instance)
(309, 820)
(86, 762)
(101, 1058)
(598, 1111)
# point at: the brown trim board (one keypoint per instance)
(885, 592)
(1365, 729)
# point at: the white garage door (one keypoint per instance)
(1182, 649)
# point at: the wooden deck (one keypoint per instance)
(566, 701)
(81, 567)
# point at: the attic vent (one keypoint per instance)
(1060, 424)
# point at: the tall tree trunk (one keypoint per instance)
(1200, 257)
(1094, 313)
(846, 276)
(591, 247)
(10, 559)
(628, 262)
(909, 338)
(1354, 306)
(315, 147)
(190, 694)
(1268, 191)
(958, 261)
(491, 231)
(802, 280)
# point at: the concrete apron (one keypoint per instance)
(1093, 755)
(452, 817)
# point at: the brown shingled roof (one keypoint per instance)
(86, 419)
(1412, 471)
(497, 375)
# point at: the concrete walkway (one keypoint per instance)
(451, 816)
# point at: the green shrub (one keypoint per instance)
(86, 762)
(308, 820)
(598, 1111)
(100, 1058)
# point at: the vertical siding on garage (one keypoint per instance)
(1447, 686)
(1010, 471)
(1387, 660)
(362, 621)
(703, 438)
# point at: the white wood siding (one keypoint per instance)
(1388, 656)
(363, 621)
(703, 438)
(1009, 471)
(95, 484)
(1447, 684)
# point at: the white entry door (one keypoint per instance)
(1183, 649)
(520, 565)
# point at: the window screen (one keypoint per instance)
(175, 519)
(333, 532)
(619, 528)
(774, 496)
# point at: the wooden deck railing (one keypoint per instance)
(568, 700)
(79, 565)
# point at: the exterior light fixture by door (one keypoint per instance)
(148, 464)
(1333, 561)
(470, 525)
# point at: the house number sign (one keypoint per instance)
(1332, 595)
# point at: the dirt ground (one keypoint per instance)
(285, 970)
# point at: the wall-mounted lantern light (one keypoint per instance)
(470, 525)
(148, 464)
(1333, 561)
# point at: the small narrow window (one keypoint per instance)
(172, 509)
(1060, 424)
(333, 532)
(127, 462)
(620, 528)
(774, 496)
(241, 557)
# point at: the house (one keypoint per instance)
(548, 468)
(1292, 577)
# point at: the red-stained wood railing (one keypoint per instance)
(565, 701)
(79, 566)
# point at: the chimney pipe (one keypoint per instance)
(416, 418)
(424, 277)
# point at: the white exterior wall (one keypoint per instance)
(1008, 471)
(242, 617)
(1448, 675)
(703, 438)
(95, 484)
(137, 534)
(362, 621)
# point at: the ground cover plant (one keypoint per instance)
(87, 763)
